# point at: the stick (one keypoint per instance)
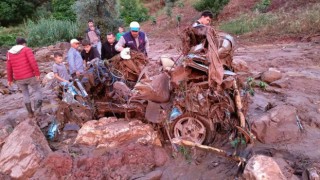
(208, 148)
(237, 100)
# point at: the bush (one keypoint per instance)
(8, 35)
(132, 10)
(49, 31)
(13, 12)
(62, 10)
(263, 5)
(215, 6)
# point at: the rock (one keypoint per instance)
(56, 165)
(63, 45)
(23, 150)
(281, 83)
(4, 177)
(48, 78)
(5, 129)
(160, 156)
(271, 75)
(276, 125)
(154, 175)
(43, 55)
(107, 133)
(239, 65)
(261, 167)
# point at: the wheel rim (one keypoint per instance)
(191, 129)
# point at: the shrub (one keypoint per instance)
(132, 10)
(49, 31)
(62, 10)
(215, 6)
(263, 5)
(8, 35)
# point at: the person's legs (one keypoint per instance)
(23, 86)
(38, 93)
(99, 45)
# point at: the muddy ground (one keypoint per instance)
(299, 64)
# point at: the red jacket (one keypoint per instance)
(21, 63)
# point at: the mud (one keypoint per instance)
(299, 64)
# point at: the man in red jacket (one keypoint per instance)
(23, 68)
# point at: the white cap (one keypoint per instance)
(134, 26)
(74, 41)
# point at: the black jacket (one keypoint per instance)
(93, 53)
(108, 50)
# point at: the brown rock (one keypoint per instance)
(262, 167)
(276, 125)
(104, 133)
(160, 156)
(154, 175)
(239, 65)
(281, 83)
(5, 129)
(63, 45)
(43, 55)
(23, 150)
(271, 75)
(57, 165)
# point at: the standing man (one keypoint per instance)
(93, 35)
(134, 39)
(205, 19)
(108, 48)
(75, 61)
(23, 68)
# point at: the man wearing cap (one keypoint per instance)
(134, 39)
(23, 68)
(75, 61)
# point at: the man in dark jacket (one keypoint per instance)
(135, 39)
(23, 68)
(89, 52)
(108, 48)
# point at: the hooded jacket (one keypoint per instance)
(21, 63)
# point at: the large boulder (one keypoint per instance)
(112, 132)
(261, 167)
(23, 150)
(276, 125)
(271, 75)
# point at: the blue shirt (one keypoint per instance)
(75, 61)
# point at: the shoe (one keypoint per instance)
(29, 109)
(37, 106)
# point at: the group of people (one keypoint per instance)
(22, 66)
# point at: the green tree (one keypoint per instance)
(13, 12)
(62, 10)
(103, 12)
(132, 10)
(215, 6)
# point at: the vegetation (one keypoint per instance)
(61, 10)
(8, 35)
(263, 5)
(132, 10)
(49, 31)
(13, 12)
(215, 6)
(298, 21)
